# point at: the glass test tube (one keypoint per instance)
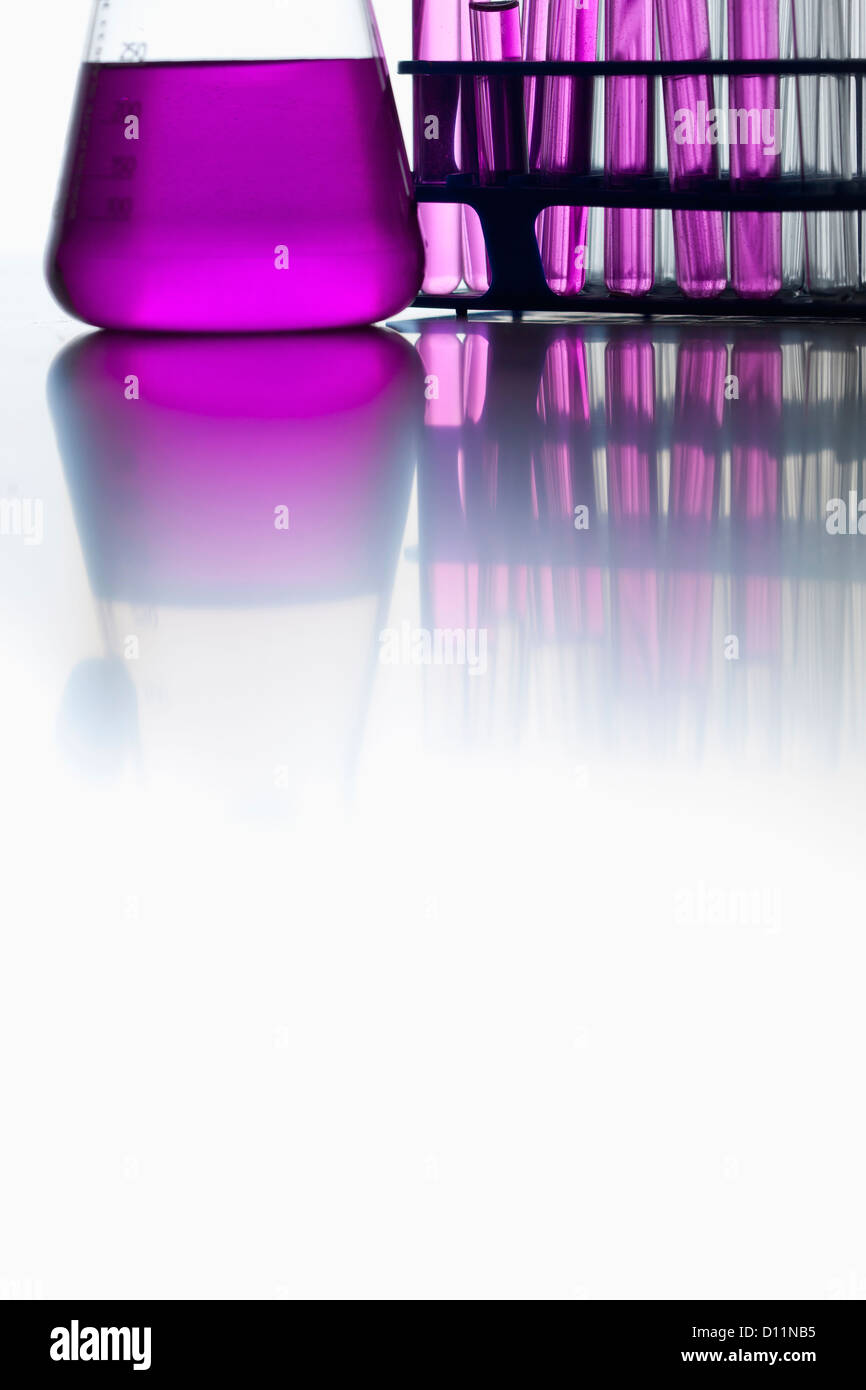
(498, 100)
(535, 19)
(436, 36)
(756, 145)
(858, 50)
(566, 141)
(821, 31)
(476, 267)
(629, 243)
(699, 236)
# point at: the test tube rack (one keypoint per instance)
(508, 209)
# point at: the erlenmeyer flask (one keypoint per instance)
(234, 168)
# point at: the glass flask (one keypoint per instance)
(234, 169)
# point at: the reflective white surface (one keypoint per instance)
(323, 976)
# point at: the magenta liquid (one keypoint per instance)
(495, 33)
(534, 35)
(171, 491)
(699, 237)
(566, 141)
(698, 415)
(756, 237)
(436, 35)
(257, 196)
(629, 243)
(476, 263)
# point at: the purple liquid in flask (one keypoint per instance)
(234, 191)
(699, 237)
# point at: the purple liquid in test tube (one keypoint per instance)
(476, 266)
(566, 140)
(699, 237)
(629, 243)
(436, 36)
(756, 237)
(535, 17)
(498, 100)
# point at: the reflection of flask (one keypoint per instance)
(436, 35)
(240, 503)
(234, 173)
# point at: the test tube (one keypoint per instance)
(495, 29)
(857, 40)
(535, 19)
(755, 144)
(476, 266)
(566, 141)
(436, 36)
(821, 31)
(629, 243)
(699, 236)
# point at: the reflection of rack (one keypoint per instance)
(810, 443)
(508, 209)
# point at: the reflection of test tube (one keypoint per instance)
(820, 31)
(630, 408)
(684, 33)
(756, 237)
(436, 35)
(566, 141)
(697, 444)
(756, 486)
(495, 27)
(702, 363)
(757, 365)
(629, 245)
(687, 615)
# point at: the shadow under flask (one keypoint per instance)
(234, 168)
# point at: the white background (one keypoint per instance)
(43, 42)
(455, 1043)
